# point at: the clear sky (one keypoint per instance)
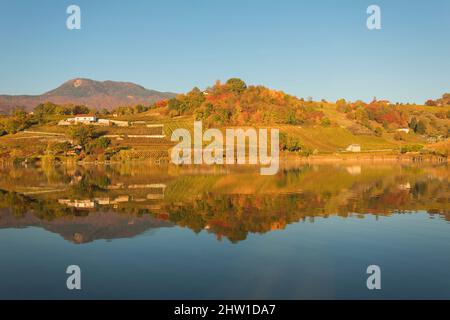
(319, 48)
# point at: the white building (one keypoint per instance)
(85, 118)
(353, 148)
(405, 130)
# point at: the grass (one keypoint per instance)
(332, 139)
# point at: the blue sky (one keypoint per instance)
(311, 48)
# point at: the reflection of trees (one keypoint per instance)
(88, 185)
(235, 205)
(18, 205)
(235, 216)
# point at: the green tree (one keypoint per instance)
(413, 123)
(82, 134)
(12, 126)
(81, 110)
(58, 148)
(421, 127)
(236, 85)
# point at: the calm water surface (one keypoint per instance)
(213, 233)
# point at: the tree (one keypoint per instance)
(98, 146)
(236, 85)
(12, 126)
(82, 134)
(421, 127)
(58, 148)
(430, 103)
(81, 110)
(413, 123)
(341, 105)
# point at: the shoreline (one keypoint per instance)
(369, 157)
(285, 158)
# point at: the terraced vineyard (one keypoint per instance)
(333, 139)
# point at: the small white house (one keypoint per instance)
(353, 148)
(405, 130)
(85, 118)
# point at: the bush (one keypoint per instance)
(82, 134)
(411, 148)
(421, 127)
(378, 131)
(288, 143)
(306, 152)
(58, 148)
(400, 136)
(325, 122)
(98, 146)
(103, 142)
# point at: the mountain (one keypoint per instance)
(94, 94)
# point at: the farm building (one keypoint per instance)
(353, 148)
(85, 118)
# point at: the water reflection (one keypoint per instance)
(83, 204)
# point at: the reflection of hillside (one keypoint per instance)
(90, 227)
(229, 203)
(234, 216)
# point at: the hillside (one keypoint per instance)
(93, 94)
(307, 127)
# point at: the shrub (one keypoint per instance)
(421, 127)
(400, 136)
(325, 122)
(288, 143)
(306, 152)
(58, 148)
(411, 148)
(98, 146)
(378, 131)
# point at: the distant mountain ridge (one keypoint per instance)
(93, 94)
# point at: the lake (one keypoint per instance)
(166, 232)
